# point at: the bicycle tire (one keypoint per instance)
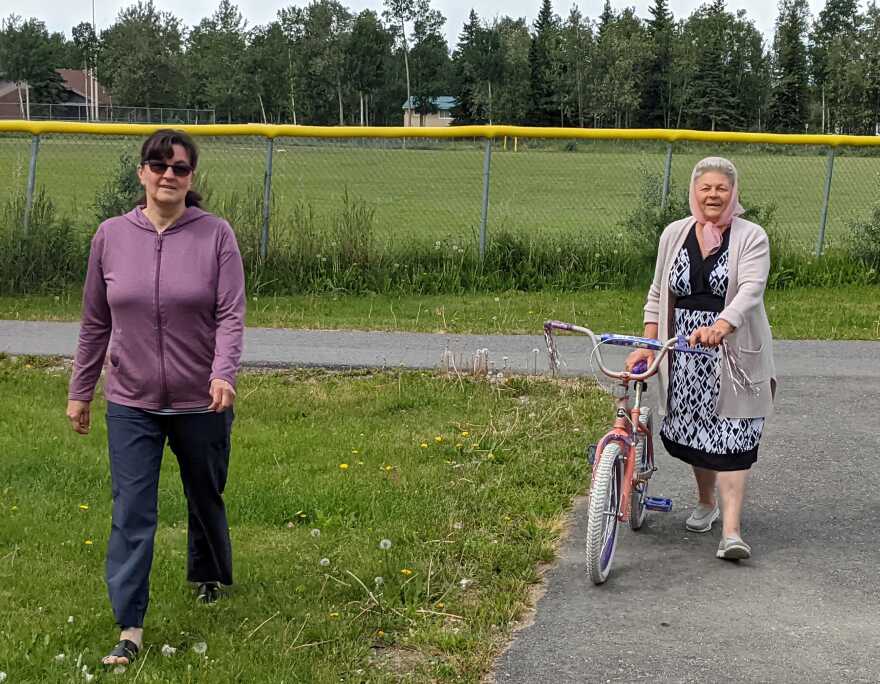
(605, 494)
(644, 461)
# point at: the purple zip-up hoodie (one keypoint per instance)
(170, 306)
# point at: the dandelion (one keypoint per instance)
(379, 581)
(334, 615)
(497, 299)
(60, 658)
(315, 533)
(343, 466)
(406, 572)
(385, 544)
(457, 525)
(380, 633)
(290, 524)
(424, 445)
(491, 457)
(302, 515)
(83, 507)
(439, 605)
(88, 542)
(458, 445)
(355, 451)
(324, 562)
(27, 365)
(464, 583)
(389, 468)
(168, 651)
(201, 648)
(465, 433)
(438, 439)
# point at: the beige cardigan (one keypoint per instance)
(751, 341)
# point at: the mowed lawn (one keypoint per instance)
(435, 194)
(468, 482)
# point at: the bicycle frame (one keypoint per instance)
(627, 429)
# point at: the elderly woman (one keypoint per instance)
(165, 291)
(708, 287)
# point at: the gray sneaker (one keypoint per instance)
(702, 518)
(733, 548)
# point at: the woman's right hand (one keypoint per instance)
(79, 415)
(645, 355)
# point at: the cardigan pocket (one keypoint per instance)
(754, 363)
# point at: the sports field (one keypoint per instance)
(434, 192)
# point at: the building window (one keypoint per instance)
(445, 115)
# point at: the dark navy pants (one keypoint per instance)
(137, 439)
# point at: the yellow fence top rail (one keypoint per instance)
(489, 132)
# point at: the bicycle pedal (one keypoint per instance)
(591, 454)
(657, 503)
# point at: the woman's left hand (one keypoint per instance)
(711, 336)
(222, 395)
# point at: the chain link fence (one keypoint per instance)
(453, 193)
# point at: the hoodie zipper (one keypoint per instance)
(159, 323)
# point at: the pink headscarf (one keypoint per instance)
(713, 232)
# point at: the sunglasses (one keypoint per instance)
(160, 167)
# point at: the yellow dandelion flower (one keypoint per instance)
(334, 615)
(27, 365)
(88, 542)
(424, 445)
(491, 457)
(389, 468)
(465, 433)
(380, 633)
(438, 439)
(458, 445)
(355, 451)
(343, 466)
(439, 605)
(83, 507)
(406, 572)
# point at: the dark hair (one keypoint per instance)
(159, 146)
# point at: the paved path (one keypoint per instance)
(806, 608)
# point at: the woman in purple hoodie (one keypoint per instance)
(165, 292)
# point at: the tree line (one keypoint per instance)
(324, 64)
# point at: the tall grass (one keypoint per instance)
(345, 250)
(46, 255)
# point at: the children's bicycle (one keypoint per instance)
(623, 460)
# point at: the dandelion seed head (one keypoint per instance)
(457, 525)
(201, 648)
(385, 544)
(324, 562)
(315, 533)
(60, 658)
(379, 581)
(168, 651)
(70, 619)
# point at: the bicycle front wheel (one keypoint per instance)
(605, 495)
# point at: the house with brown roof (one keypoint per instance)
(72, 105)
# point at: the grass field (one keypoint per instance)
(469, 481)
(839, 313)
(435, 194)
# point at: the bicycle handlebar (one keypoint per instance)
(677, 344)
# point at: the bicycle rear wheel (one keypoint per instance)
(644, 463)
(605, 495)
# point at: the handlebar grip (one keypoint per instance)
(639, 368)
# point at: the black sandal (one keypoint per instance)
(124, 649)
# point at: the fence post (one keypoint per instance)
(823, 221)
(267, 198)
(484, 217)
(667, 177)
(31, 182)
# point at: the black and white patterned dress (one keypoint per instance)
(691, 430)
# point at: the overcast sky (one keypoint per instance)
(62, 16)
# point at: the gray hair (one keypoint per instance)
(716, 164)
